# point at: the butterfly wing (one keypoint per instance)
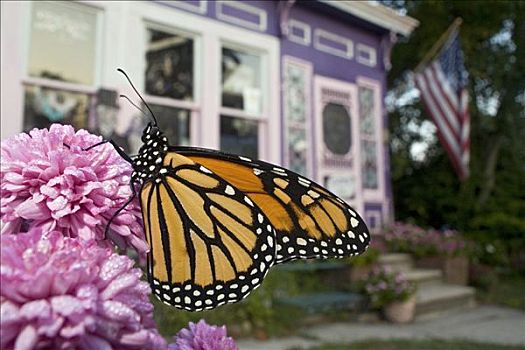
(210, 244)
(310, 221)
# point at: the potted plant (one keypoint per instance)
(391, 293)
(445, 250)
(360, 266)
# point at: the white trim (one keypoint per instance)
(306, 39)
(202, 8)
(242, 6)
(369, 61)
(171, 102)
(239, 113)
(59, 85)
(323, 34)
(377, 14)
(379, 194)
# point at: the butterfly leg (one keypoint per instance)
(117, 148)
(133, 194)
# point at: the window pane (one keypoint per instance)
(336, 128)
(239, 136)
(63, 40)
(44, 106)
(241, 81)
(174, 123)
(169, 65)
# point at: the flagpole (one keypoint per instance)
(439, 43)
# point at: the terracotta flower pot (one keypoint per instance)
(401, 311)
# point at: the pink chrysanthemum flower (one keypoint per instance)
(65, 293)
(46, 184)
(202, 336)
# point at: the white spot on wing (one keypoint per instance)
(229, 190)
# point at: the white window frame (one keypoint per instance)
(376, 195)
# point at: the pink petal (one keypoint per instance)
(31, 210)
(27, 339)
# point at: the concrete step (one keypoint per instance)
(436, 299)
(424, 277)
(397, 261)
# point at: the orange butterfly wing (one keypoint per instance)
(310, 222)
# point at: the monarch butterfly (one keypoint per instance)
(217, 222)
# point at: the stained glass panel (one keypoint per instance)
(369, 164)
(297, 150)
(366, 111)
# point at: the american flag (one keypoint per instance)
(443, 83)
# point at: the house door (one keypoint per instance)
(337, 135)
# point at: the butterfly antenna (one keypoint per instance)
(134, 105)
(136, 91)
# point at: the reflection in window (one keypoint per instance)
(63, 42)
(169, 65)
(45, 106)
(336, 128)
(174, 123)
(241, 81)
(239, 136)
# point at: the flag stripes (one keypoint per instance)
(443, 92)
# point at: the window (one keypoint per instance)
(368, 136)
(241, 81)
(169, 65)
(174, 123)
(241, 101)
(170, 81)
(63, 42)
(61, 64)
(297, 84)
(45, 106)
(239, 136)
(337, 132)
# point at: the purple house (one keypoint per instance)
(298, 83)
